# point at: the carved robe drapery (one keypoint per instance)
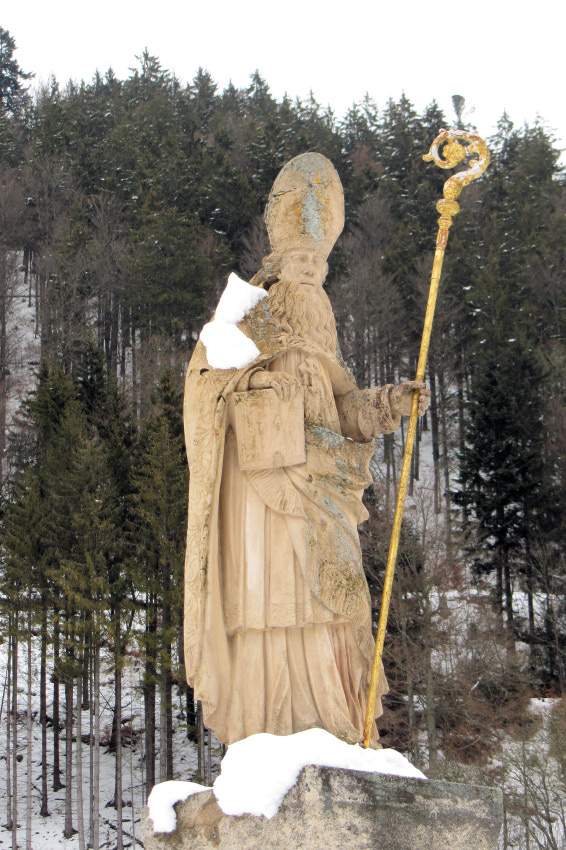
(277, 609)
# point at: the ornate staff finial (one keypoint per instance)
(453, 153)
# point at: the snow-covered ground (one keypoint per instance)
(23, 345)
(47, 833)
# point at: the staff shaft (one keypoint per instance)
(402, 493)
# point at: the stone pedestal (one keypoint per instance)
(331, 809)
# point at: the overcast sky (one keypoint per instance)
(499, 55)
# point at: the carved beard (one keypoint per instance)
(303, 314)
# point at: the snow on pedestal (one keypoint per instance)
(162, 799)
(257, 773)
(311, 791)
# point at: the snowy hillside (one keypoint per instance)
(47, 832)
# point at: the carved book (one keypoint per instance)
(270, 431)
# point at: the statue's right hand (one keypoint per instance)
(285, 385)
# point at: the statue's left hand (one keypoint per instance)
(285, 385)
(401, 398)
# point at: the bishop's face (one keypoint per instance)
(298, 302)
(303, 266)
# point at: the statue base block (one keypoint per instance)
(330, 809)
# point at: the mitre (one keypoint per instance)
(305, 208)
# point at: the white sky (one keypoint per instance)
(500, 55)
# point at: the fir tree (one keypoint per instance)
(503, 481)
(160, 520)
(12, 77)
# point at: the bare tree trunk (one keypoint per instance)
(200, 749)
(530, 591)
(167, 675)
(15, 733)
(9, 727)
(499, 588)
(525, 797)
(549, 634)
(135, 407)
(118, 721)
(125, 338)
(411, 488)
(508, 603)
(91, 745)
(79, 763)
(149, 736)
(27, 275)
(410, 692)
(162, 725)
(412, 719)
(461, 410)
(431, 714)
(169, 720)
(559, 650)
(389, 458)
(29, 735)
(132, 786)
(418, 437)
(85, 678)
(68, 831)
(149, 693)
(115, 331)
(446, 468)
(38, 301)
(44, 811)
(96, 783)
(57, 784)
(190, 713)
(209, 757)
(434, 435)
(415, 460)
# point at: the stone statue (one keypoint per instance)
(279, 438)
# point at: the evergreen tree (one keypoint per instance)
(12, 78)
(27, 558)
(503, 481)
(159, 531)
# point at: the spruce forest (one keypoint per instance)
(124, 205)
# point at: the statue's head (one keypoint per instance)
(305, 216)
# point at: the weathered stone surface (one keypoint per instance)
(330, 809)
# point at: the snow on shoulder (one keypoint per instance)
(227, 347)
(256, 773)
